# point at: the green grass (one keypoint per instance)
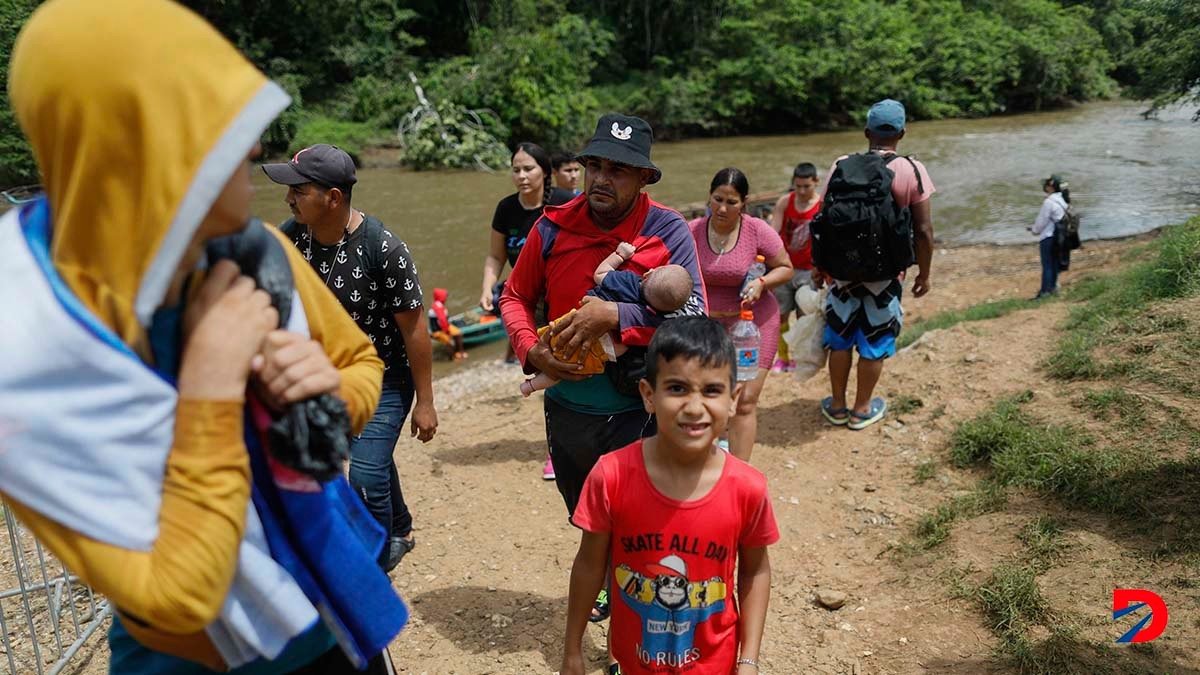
(1043, 539)
(353, 137)
(1114, 404)
(1061, 460)
(905, 404)
(1118, 306)
(933, 528)
(1012, 600)
(1124, 327)
(925, 471)
(980, 312)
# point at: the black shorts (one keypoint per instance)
(577, 440)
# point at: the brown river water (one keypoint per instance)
(1127, 175)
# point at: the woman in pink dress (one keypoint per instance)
(727, 242)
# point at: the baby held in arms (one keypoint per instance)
(666, 289)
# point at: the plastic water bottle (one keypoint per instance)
(756, 271)
(746, 339)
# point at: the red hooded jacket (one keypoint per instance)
(560, 258)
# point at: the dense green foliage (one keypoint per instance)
(16, 163)
(542, 69)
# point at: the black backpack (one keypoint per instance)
(1066, 230)
(861, 233)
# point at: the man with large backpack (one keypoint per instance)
(372, 274)
(875, 222)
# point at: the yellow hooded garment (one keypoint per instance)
(138, 113)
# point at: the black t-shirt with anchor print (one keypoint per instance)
(371, 296)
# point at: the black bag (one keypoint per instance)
(1066, 230)
(311, 436)
(861, 233)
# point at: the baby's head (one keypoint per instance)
(667, 288)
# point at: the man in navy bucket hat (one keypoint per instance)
(624, 140)
(588, 416)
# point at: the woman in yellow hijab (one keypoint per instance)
(125, 392)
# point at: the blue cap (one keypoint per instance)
(886, 118)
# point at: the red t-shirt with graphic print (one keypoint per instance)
(674, 608)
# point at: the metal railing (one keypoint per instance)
(46, 615)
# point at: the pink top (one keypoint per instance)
(723, 274)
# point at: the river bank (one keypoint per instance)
(487, 581)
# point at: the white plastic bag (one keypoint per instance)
(805, 336)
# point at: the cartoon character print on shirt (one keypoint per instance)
(670, 606)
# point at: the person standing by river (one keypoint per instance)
(587, 417)
(727, 242)
(532, 174)
(372, 274)
(866, 315)
(793, 212)
(1045, 226)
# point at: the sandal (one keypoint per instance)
(601, 608)
(875, 412)
(614, 669)
(835, 416)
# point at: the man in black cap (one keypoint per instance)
(372, 273)
(589, 416)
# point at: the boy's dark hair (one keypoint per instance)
(805, 170)
(691, 337)
(559, 158)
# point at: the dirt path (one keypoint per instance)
(488, 580)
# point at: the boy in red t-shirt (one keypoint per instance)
(791, 217)
(667, 519)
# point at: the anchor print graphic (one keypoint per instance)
(357, 273)
(338, 282)
(354, 315)
(396, 302)
(408, 284)
(374, 286)
(325, 267)
(358, 249)
(371, 305)
(372, 336)
(387, 340)
(401, 264)
(391, 282)
(341, 257)
(355, 296)
(384, 242)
